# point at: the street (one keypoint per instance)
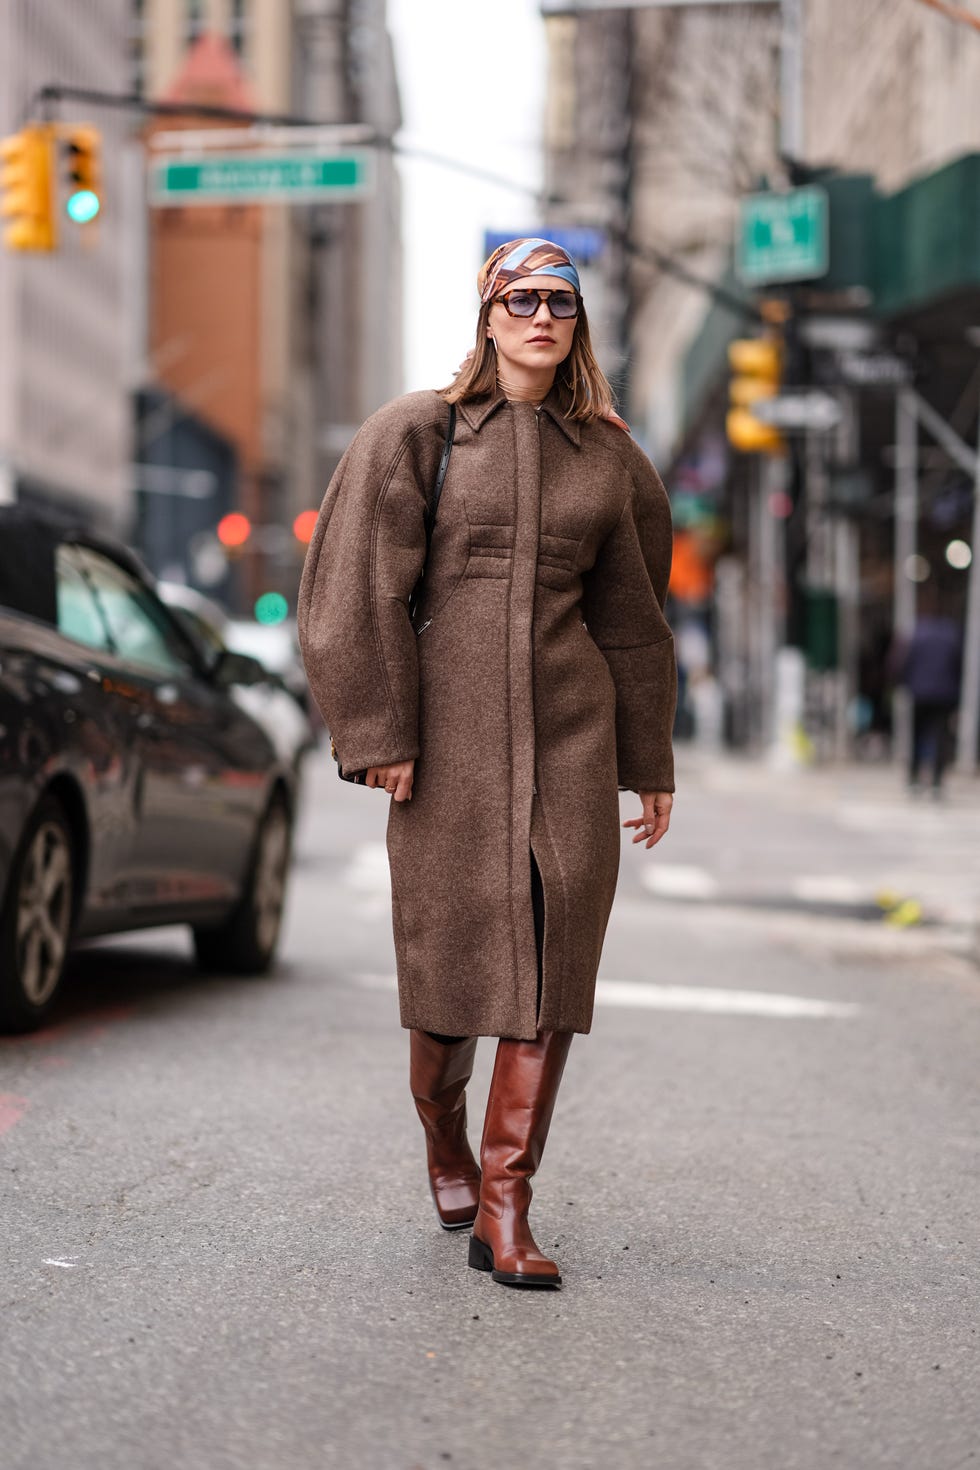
(761, 1184)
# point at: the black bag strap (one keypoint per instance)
(432, 509)
(447, 450)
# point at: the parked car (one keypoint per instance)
(134, 788)
(264, 693)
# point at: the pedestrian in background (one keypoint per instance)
(538, 678)
(929, 665)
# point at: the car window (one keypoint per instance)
(77, 610)
(140, 628)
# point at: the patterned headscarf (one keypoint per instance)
(519, 258)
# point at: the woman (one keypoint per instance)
(538, 677)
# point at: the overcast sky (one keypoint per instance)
(472, 79)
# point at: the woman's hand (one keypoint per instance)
(396, 780)
(655, 819)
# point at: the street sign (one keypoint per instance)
(583, 243)
(806, 409)
(874, 369)
(783, 237)
(262, 178)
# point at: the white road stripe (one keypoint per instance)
(829, 888)
(65, 1265)
(642, 996)
(697, 999)
(368, 870)
(678, 881)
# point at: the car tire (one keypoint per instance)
(35, 925)
(245, 944)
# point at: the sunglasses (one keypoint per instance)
(561, 304)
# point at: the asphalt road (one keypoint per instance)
(762, 1183)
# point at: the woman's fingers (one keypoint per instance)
(396, 780)
(655, 820)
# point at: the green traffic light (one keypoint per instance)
(271, 607)
(83, 206)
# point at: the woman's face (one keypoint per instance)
(539, 342)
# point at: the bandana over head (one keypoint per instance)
(519, 258)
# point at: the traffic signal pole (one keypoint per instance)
(968, 729)
(906, 540)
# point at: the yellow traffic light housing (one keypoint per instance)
(27, 186)
(83, 146)
(757, 367)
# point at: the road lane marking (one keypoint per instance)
(368, 868)
(696, 999)
(12, 1109)
(829, 888)
(678, 881)
(65, 1265)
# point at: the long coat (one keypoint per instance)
(541, 679)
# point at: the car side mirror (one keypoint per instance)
(237, 668)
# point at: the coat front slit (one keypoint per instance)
(541, 681)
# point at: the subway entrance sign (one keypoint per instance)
(262, 178)
(783, 237)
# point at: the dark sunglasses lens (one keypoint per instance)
(523, 303)
(563, 304)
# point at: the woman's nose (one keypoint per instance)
(543, 307)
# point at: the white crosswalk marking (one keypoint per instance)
(368, 869)
(678, 881)
(697, 999)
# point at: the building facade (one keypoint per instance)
(276, 324)
(65, 424)
(802, 549)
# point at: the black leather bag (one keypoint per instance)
(359, 777)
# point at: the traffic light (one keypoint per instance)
(83, 151)
(757, 367)
(304, 525)
(233, 530)
(26, 184)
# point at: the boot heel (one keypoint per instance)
(481, 1256)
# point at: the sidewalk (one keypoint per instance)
(843, 841)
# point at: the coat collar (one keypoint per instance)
(477, 410)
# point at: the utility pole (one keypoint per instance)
(968, 730)
(906, 540)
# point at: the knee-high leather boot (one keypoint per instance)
(439, 1072)
(522, 1096)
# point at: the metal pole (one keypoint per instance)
(791, 79)
(906, 536)
(847, 577)
(968, 729)
(769, 479)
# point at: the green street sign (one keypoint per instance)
(783, 237)
(262, 178)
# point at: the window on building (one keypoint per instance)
(136, 46)
(194, 24)
(238, 25)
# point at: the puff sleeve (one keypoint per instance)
(623, 604)
(367, 551)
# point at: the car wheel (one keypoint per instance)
(246, 942)
(35, 925)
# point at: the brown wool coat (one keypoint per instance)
(542, 677)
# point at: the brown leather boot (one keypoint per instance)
(525, 1082)
(439, 1072)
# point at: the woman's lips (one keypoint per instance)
(540, 338)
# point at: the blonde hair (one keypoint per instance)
(584, 388)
